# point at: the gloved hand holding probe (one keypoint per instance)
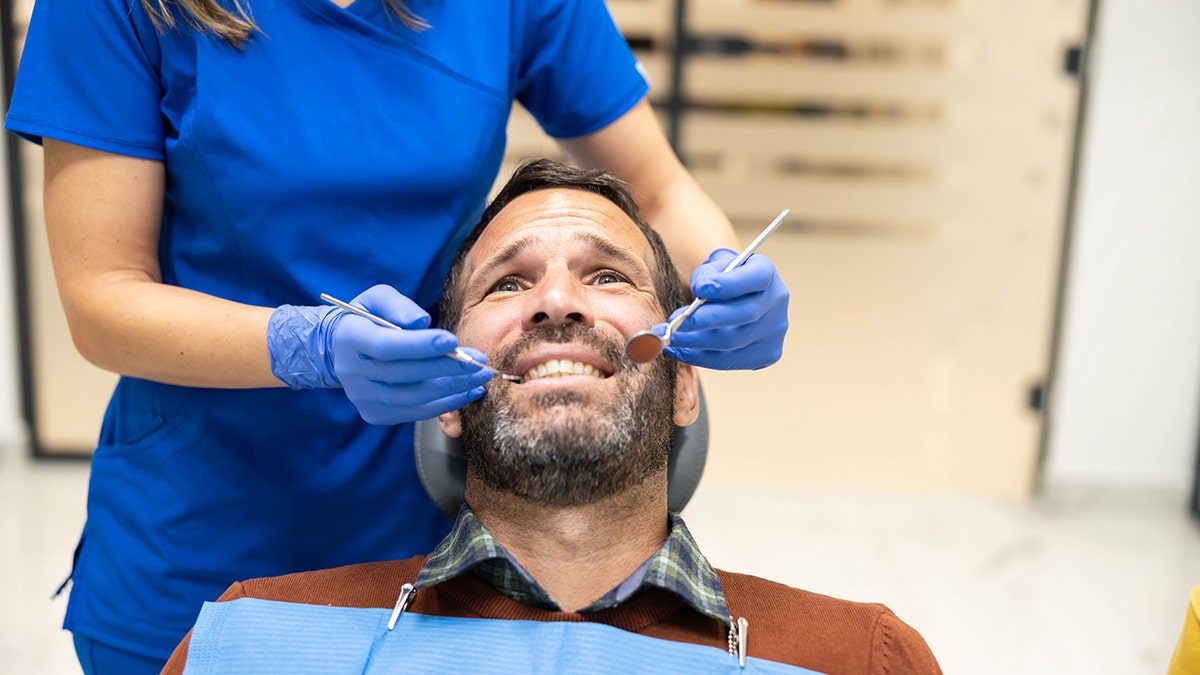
(391, 376)
(743, 322)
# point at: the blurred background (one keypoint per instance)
(986, 414)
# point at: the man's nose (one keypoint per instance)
(560, 298)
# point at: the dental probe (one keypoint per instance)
(644, 346)
(457, 354)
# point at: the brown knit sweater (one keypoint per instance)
(785, 624)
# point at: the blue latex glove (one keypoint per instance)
(744, 319)
(391, 376)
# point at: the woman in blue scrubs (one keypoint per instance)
(211, 170)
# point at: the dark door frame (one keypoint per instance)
(20, 243)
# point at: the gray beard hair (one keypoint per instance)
(586, 458)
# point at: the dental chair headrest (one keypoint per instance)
(443, 467)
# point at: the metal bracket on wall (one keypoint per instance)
(675, 99)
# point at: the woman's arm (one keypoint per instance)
(103, 218)
(635, 150)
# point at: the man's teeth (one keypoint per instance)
(560, 368)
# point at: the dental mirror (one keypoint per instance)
(457, 354)
(644, 346)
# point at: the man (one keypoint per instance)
(565, 557)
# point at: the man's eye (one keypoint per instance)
(609, 277)
(506, 286)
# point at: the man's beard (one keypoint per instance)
(564, 448)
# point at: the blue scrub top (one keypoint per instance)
(335, 151)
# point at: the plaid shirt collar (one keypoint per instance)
(678, 567)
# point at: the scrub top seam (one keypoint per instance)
(119, 639)
(624, 104)
(382, 40)
(34, 126)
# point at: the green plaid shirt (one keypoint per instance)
(677, 567)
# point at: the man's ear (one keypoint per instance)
(451, 424)
(687, 395)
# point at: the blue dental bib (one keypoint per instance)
(249, 635)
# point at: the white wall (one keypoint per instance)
(1127, 398)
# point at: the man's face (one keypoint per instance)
(552, 288)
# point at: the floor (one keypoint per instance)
(1081, 581)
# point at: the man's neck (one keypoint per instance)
(577, 553)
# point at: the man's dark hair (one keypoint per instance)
(547, 174)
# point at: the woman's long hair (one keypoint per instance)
(235, 27)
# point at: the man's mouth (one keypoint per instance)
(561, 368)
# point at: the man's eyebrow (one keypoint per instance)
(613, 251)
(505, 254)
(516, 248)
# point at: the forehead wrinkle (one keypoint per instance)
(511, 250)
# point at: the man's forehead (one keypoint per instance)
(558, 215)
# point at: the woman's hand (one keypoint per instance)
(743, 321)
(395, 376)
